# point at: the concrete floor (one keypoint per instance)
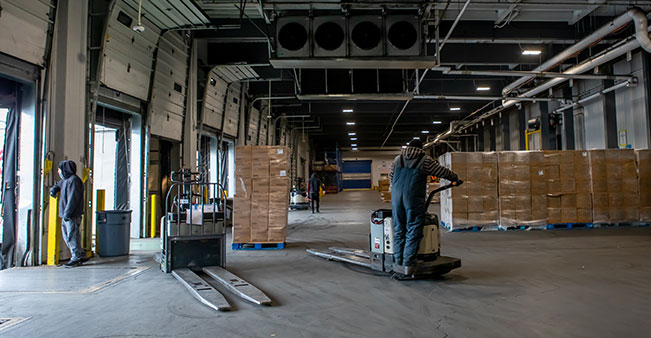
(566, 283)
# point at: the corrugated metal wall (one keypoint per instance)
(169, 88)
(632, 116)
(221, 101)
(24, 24)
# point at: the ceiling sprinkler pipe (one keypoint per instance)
(641, 28)
(586, 42)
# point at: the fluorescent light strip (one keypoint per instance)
(482, 89)
(425, 131)
(350, 123)
(436, 122)
(347, 110)
(353, 138)
(351, 134)
(531, 52)
(455, 109)
(354, 145)
(354, 148)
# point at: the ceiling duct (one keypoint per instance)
(403, 36)
(329, 36)
(292, 36)
(366, 37)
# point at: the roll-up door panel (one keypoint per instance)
(24, 26)
(232, 113)
(357, 174)
(169, 88)
(213, 103)
(254, 126)
(128, 55)
(264, 125)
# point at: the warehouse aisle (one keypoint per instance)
(572, 283)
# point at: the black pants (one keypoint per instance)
(314, 200)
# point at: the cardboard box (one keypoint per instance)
(643, 161)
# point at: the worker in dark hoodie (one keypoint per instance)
(408, 188)
(71, 207)
(313, 186)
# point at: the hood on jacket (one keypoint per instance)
(411, 153)
(68, 168)
(313, 177)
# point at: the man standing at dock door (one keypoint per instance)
(71, 207)
(408, 188)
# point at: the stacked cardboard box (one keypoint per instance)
(261, 195)
(474, 203)
(384, 188)
(614, 181)
(567, 177)
(643, 158)
(515, 187)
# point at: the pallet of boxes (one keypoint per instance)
(385, 190)
(474, 204)
(261, 200)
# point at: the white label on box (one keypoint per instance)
(585, 153)
(540, 172)
(280, 151)
(283, 173)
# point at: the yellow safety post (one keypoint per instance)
(528, 133)
(101, 200)
(152, 231)
(53, 232)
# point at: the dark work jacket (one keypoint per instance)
(313, 185)
(71, 200)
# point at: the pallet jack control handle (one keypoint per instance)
(439, 189)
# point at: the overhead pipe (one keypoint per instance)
(596, 95)
(278, 118)
(641, 27)
(483, 98)
(586, 42)
(585, 66)
(519, 73)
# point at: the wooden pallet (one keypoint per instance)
(258, 246)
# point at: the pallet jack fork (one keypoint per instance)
(193, 240)
(380, 256)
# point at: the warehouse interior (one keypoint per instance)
(195, 126)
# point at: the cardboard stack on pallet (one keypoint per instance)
(614, 181)
(261, 195)
(432, 185)
(475, 202)
(384, 188)
(515, 188)
(567, 176)
(643, 158)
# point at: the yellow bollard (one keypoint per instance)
(154, 199)
(101, 200)
(53, 232)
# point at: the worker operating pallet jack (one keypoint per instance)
(398, 242)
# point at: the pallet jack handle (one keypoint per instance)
(439, 189)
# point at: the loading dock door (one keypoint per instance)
(357, 174)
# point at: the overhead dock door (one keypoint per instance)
(357, 174)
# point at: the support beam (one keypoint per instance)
(506, 131)
(610, 116)
(547, 137)
(568, 121)
(522, 127)
(493, 137)
(480, 138)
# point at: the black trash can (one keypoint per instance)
(113, 232)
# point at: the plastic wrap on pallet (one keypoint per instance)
(643, 159)
(521, 181)
(475, 203)
(260, 202)
(614, 183)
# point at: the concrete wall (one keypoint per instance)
(632, 114)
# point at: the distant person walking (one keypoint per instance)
(314, 184)
(71, 207)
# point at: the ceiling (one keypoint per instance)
(490, 35)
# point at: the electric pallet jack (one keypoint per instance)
(193, 240)
(380, 256)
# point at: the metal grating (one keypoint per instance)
(233, 73)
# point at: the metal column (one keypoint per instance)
(568, 121)
(522, 128)
(610, 116)
(506, 131)
(480, 138)
(547, 138)
(492, 137)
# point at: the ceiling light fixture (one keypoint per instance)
(351, 134)
(347, 110)
(354, 145)
(483, 88)
(455, 108)
(425, 131)
(350, 123)
(355, 149)
(403, 147)
(353, 138)
(531, 52)
(416, 138)
(436, 122)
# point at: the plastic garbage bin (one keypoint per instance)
(113, 231)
